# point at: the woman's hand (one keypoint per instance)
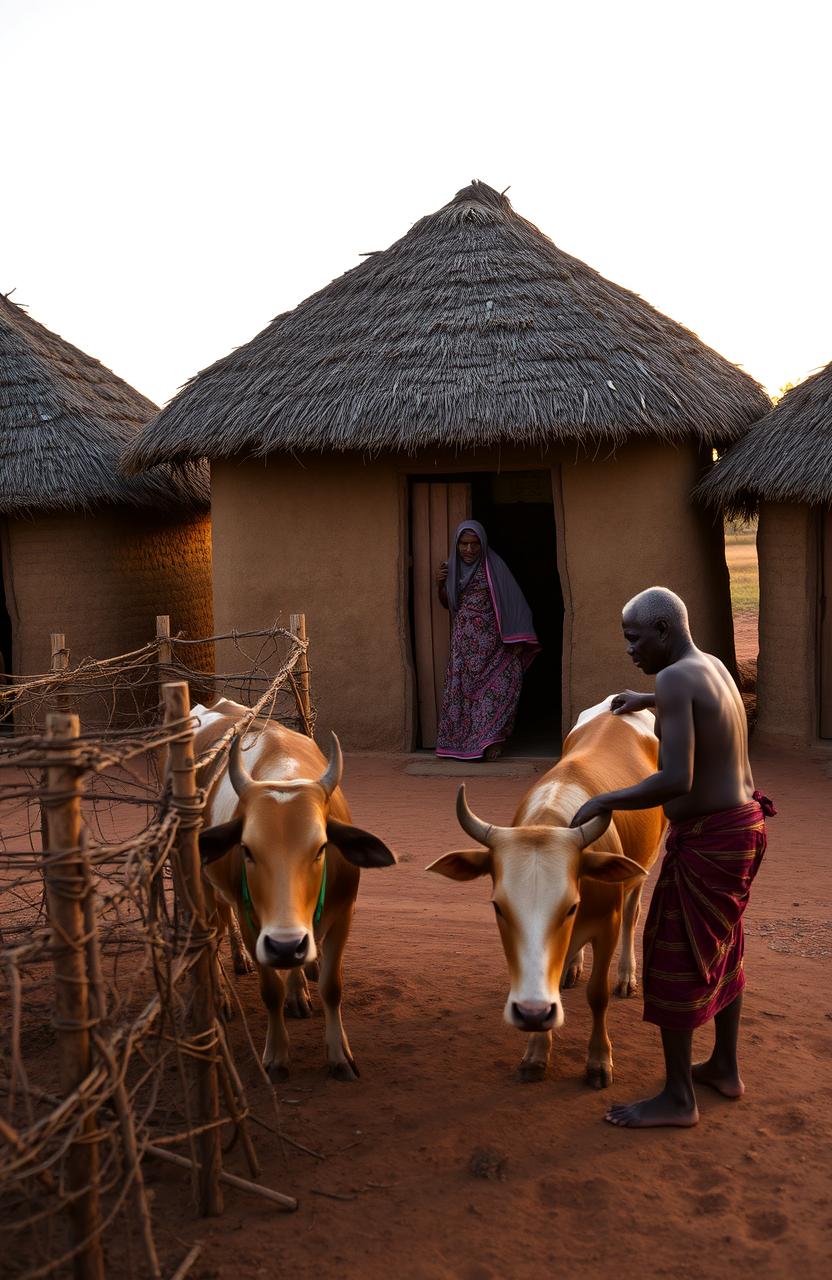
(442, 573)
(629, 701)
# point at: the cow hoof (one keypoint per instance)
(243, 963)
(625, 988)
(299, 1006)
(531, 1072)
(277, 1071)
(343, 1071)
(572, 977)
(599, 1075)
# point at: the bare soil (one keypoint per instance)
(438, 1164)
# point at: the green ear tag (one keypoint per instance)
(319, 910)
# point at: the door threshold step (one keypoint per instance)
(430, 766)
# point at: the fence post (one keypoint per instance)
(297, 626)
(191, 905)
(164, 650)
(66, 885)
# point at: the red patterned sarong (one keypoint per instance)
(693, 936)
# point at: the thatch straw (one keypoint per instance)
(64, 424)
(473, 329)
(786, 457)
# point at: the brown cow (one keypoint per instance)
(280, 848)
(553, 893)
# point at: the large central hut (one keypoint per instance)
(782, 470)
(473, 368)
(85, 550)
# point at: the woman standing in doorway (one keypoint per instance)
(492, 643)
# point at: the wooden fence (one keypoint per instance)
(99, 878)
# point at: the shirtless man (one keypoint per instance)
(693, 940)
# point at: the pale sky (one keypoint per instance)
(175, 173)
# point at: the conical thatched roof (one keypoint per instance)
(64, 423)
(786, 457)
(472, 329)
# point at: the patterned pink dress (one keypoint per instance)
(484, 678)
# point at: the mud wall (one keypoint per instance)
(328, 536)
(102, 579)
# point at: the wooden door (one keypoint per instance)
(436, 510)
(825, 650)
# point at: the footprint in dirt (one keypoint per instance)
(712, 1203)
(768, 1224)
(792, 1120)
(705, 1176)
(587, 1195)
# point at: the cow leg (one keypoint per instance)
(298, 1000)
(276, 1052)
(573, 969)
(536, 1057)
(338, 1054)
(240, 958)
(599, 1058)
(627, 983)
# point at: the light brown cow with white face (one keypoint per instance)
(279, 846)
(555, 889)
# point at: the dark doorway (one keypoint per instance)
(517, 510)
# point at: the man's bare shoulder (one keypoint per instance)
(676, 677)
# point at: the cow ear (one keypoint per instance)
(465, 864)
(361, 848)
(613, 868)
(216, 842)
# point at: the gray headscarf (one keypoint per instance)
(514, 617)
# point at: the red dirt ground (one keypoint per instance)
(747, 1193)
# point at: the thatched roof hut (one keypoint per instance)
(786, 457)
(66, 421)
(472, 367)
(783, 470)
(85, 549)
(472, 330)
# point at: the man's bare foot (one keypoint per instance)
(652, 1113)
(725, 1081)
(493, 752)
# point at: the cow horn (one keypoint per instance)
(594, 829)
(470, 823)
(237, 772)
(331, 777)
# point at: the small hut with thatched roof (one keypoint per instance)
(783, 469)
(471, 368)
(86, 550)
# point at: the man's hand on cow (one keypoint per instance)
(628, 701)
(442, 572)
(592, 809)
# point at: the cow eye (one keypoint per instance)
(497, 910)
(320, 852)
(572, 909)
(247, 853)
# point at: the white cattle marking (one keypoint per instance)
(555, 797)
(535, 883)
(644, 722)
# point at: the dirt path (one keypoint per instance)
(746, 1193)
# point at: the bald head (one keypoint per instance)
(656, 605)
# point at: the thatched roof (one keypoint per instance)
(786, 457)
(64, 423)
(473, 329)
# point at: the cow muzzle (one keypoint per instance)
(282, 953)
(534, 1015)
